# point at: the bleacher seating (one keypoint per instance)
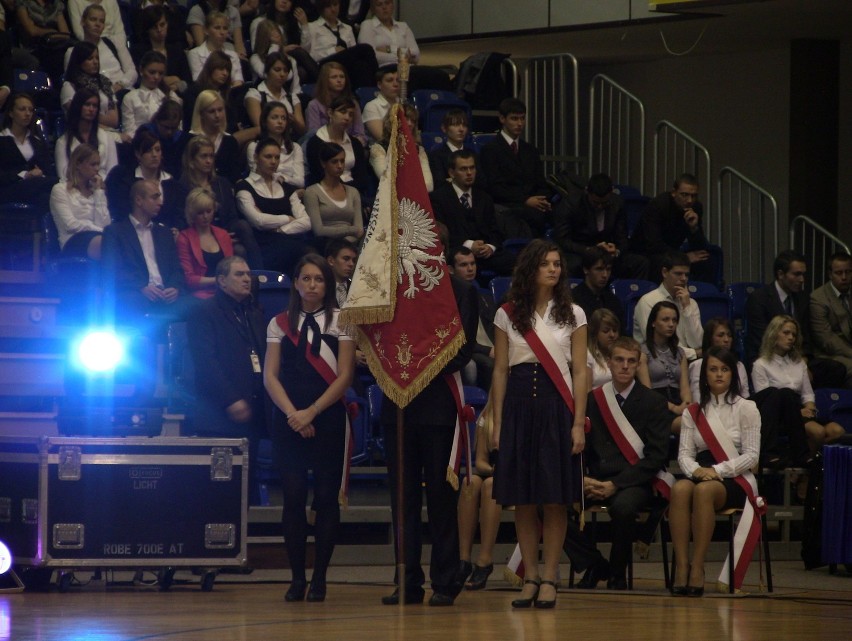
(273, 292)
(634, 204)
(629, 292)
(499, 285)
(432, 104)
(711, 302)
(365, 95)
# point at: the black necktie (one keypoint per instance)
(788, 305)
(465, 200)
(620, 399)
(340, 41)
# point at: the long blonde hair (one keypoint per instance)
(81, 154)
(202, 102)
(770, 337)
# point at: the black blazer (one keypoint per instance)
(512, 178)
(476, 223)
(118, 182)
(439, 163)
(12, 162)
(762, 306)
(124, 264)
(576, 228)
(662, 228)
(435, 404)
(646, 412)
(174, 203)
(221, 349)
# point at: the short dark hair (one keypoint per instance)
(511, 106)
(337, 245)
(710, 328)
(342, 102)
(460, 153)
(454, 116)
(673, 259)
(329, 150)
(841, 256)
(461, 249)
(600, 185)
(143, 140)
(383, 71)
(785, 259)
(593, 255)
(686, 178)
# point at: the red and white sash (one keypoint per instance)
(325, 365)
(628, 441)
(748, 530)
(461, 436)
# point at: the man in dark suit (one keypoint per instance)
(596, 218)
(227, 341)
(468, 213)
(481, 366)
(429, 427)
(786, 295)
(140, 258)
(610, 478)
(830, 316)
(515, 176)
(593, 293)
(671, 221)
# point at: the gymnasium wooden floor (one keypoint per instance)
(252, 609)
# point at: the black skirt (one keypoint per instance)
(535, 464)
(735, 496)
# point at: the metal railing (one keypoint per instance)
(616, 133)
(675, 153)
(551, 94)
(816, 243)
(746, 226)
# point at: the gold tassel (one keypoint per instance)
(512, 578)
(452, 477)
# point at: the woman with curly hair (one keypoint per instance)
(539, 392)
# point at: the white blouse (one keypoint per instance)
(291, 167)
(74, 213)
(781, 372)
(297, 223)
(274, 333)
(519, 349)
(106, 150)
(695, 373)
(139, 105)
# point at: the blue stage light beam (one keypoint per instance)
(100, 351)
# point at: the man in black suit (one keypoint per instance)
(481, 366)
(227, 341)
(515, 176)
(596, 218)
(468, 213)
(672, 220)
(429, 427)
(593, 293)
(140, 258)
(610, 478)
(786, 295)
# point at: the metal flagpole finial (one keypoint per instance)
(403, 66)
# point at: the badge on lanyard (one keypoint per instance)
(255, 362)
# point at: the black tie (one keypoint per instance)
(620, 399)
(788, 305)
(340, 41)
(465, 200)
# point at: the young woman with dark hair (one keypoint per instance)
(82, 127)
(275, 124)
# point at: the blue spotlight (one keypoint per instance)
(100, 351)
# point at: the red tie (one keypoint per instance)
(514, 146)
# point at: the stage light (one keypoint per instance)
(5, 558)
(100, 351)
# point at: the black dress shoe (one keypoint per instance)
(526, 603)
(411, 598)
(438, 599)
(691, 590)
(479, 577)
(616, 583)
(550, 603)
(680, 590)
(595, 574)
(296, 592)
(316, 593)
(464, 571)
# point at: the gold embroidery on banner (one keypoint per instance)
(442, 333)
(403, 356)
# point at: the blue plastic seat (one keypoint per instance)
(374, 402)
(827, 398)
(273, 292)
(432, 104)
(634, 204)
(499, 285)
(711, 302)
(482, 139)
(31, 82)
(365, 95)
(629, 291)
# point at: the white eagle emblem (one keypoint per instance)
(416, 237)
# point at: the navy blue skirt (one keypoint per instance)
(535, 465)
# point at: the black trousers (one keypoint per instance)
(780, 415)
(426, 451)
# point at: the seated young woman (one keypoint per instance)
(82, 127)
(155, 33)
(209, 119)
(115, 60)
(216, 39)
(279, 220)
(290, 19)
(379, 153)
(198, 22)
(604, 328)
(79, 205)
(202, 245)
(27, 170)
(275, 124)
(140, 105)
(333, 83)
(340, 114)
(148, 154)
(83, 72)
(717, 333)
(280, 84)
(334, 207)
(663, 367)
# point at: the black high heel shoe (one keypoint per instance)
(296, 591)
(479, 577)
(316, 593)
(526, 603)
(550, 603)
(692, 590)
(681, 590)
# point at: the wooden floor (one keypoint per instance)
(256, 611)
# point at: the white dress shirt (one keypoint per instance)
(295, 224)
(113, 27)
(106, 150)
(376, 109)
(291, 167)
(198, 56)
(399, 36)
(319, 41)
(287, 99)
(139, 105)
(690, 333)
(74, 213)
(146, 239)
(781, 372)
(519, 349)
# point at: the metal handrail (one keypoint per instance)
(816, 243)
(746, 213)
(613, 152)
(688, 146)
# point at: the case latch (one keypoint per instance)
(221, 464)
(69, 463)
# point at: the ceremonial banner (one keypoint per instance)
(401, 300)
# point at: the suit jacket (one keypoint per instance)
(831, 324)
(221, 346)
(662, 228)
(762, 306)
(576, 228)
(646, 412)
(512, 178)
(591, 302)
(124, 263)
(192, 258)
(12, 161)
(476, 223)
(435, 404)
(439, 164)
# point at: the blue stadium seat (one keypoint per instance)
(499, 285)
(738, 294)
(273, 292)
(308, 89)
(573, 282)
(629, 291)
(711, 302)
(31, 82)
(515, 245)
(482, 139)
(827, 398)
(365, 95)
(432, 104)
(634, 204)
(432, 139)
(360, 428)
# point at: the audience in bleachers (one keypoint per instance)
(202, 245)
(115, 61)
(139, 105)
(664, 366)
(386, 35)
(594, 292)
(166, 124)
(27, 169)
(82, 127)
(275, 124)
(83, 72)
(387, 81)
(216, 38)
(209, 119)
(230, 37)
(674, 288)
(279, 219)
(280, 84)
(340, 116)
(604, 328)
(596, 217)
(79, 205)
(290, 19)
(113, 25)
(43, 30)
(156, 32)
(717, 333)
(333, 83)
(455, 127)
(830, 316)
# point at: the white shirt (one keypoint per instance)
(379, 161)
(139, 105)
(690, 333)
(146, 239)
(781, 372)
(519, 349)
(120, 69)
(198, 56)
(742, 423)
(375, 34)
(601, 374)
(274, 333)
(106, 150)
(196, 17)
(74, 213)
(26, 148)
(113, 27)
(376, 109)
(695, 373)
(287, 99)
(319, 41)
(291, 167)
(295, 224)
